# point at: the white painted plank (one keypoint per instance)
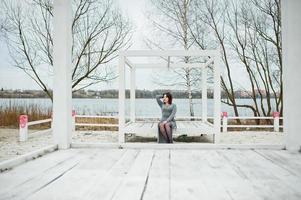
(230, 177)
(264, 183)
(291, 161)
(28, 170)
(135, 181)
(107, 185)
(83, 177)
(159, 177)
(41, 180)
(159, 53)
(285, 177)
(192, 176)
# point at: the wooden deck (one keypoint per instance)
(156, 174)
(148, 128)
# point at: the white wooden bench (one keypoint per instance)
(150, 129)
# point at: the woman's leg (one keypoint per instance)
(168, 131)
(162, 131)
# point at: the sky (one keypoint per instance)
(14, 78)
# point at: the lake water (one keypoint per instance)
(144, 107)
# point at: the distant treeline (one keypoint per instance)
(114, 94)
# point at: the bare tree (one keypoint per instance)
(98, 32)
(211, 12)
(257, 53)
(174, 24)
(249, 31)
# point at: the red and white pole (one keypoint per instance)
(23, 128)
(73, 120)
(276, 116)
(225, 121)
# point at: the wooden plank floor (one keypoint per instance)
(156, 174)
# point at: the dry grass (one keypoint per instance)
(96, 121)
(9, 115)
(9, 118)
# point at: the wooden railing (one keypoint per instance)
(24, 124)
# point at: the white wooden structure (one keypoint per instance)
(166, 173)
(183, 127)
(291, 40)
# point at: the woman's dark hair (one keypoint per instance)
(169, 97)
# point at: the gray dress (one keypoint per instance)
(168, 111)
(168, 114)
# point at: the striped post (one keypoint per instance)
(23, 128)
(225, 121)
(276, 116)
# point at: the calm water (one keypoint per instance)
(144, 107)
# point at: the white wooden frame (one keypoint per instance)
(291, 38)
(124, 61)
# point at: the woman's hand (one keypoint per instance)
(164, 122)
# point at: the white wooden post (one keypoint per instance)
(23, 128)
(62, 95)
(204, 94)
(276, 116)
(132, 94)
(73, 120)
(217, 97)
(121, 97)
(291, 41)
(225, 122)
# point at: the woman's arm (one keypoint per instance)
(173, 113)
(158, 99)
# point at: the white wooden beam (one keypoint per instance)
(121, 113)
(217, 98)
(204, 94)
(160, 53)
(291, 37)
(128, 62)
(171, 65)
(62, 94)
(132, 94)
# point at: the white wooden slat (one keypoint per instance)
(285, 176)
(96, 125)
(195, 124)
(41, 180)
(135, 181)
(159, 177)
(132, 93)
(76, 183)
(160, 53)
(192, 176)
(106, 186)
(25, 172)
(172, 65)
(121, 99)
(39, 122)
(229, 176)
(97, 116)
(263, 182)
(183, 183)
(286, 160)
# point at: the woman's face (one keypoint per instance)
(165, 99)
